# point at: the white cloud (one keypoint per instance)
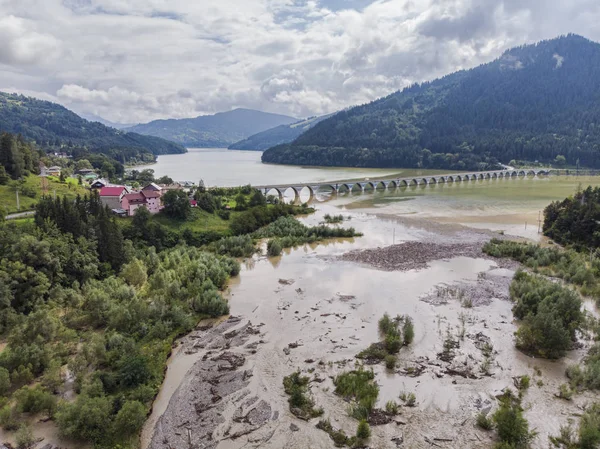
(138, 60)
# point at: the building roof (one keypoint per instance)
(151, 194)
(152, 186)
(112, 191)
(54, 168)
(135, 198)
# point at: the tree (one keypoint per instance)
(24, 438)
(240, 202)
(201, 186)
(206, 201)
(134, 273)
(177, 205)
(257, 199)
(4, 178)
(130, 418)
(560, 160)
(85, 419)
(4, 381)
(146, 176)
(165, 180)
(83, 164)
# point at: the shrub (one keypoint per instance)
(386, 325)
(224, 214)
(301, 404)
(391, 407)
(510, 424)
(35, 400)
(363, 431)
(24, 438)
(410, 399)
(274, 248)
(565, 392)
(360, 386)
(4, 381)
(130, 418)
(484, 422)
(390, 362)
(393, 343)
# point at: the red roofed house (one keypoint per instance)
(111, 196)
(149, 198)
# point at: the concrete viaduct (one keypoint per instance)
(386, 184)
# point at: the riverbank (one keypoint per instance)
(310, 313)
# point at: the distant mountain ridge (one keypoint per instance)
(278, 135)
(51, 125)
(218, 130)
(535, 102)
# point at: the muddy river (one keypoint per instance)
(315, 307)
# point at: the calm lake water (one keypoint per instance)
(230, 168)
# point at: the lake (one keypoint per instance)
(230, 168)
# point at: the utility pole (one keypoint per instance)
(539, 220)
(394, 238)
(18, 203)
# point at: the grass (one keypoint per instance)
(30, 190)
(358, 385)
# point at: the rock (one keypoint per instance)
(286, 281)
(286, 351)
(294, 427)
(399, 440)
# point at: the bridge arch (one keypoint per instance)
(414, 182)
(381, 185)
(278, 192)
(495, 175)
(392, 185)
(531, 173)
(432, 181)
(441, 180)
(424, 181)
(368, 186)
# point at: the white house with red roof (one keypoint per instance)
(149, 197)
(112, 196)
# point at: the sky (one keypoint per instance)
(133, 61)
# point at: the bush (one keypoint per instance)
(24, 438)
(224, 214)
(35, 400)
(301, 404)
(484, 422)
(363, 431)
(360, 386)
(410, 399)
(393, 343)
(130, 418)
(408, 330)
(4, 381)
(510, 424)
(391, 407)
(274, 248)
(565, 392)
(390, 362)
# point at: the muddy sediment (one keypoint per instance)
(463, 355)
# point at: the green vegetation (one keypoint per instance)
(470, 119)
(333, 219)
(587, 435)
(391, 407)
(569, 265)
(511, 425)
(575, 220)
(409, 398)
(290, 232)
(301, 404)
(54, 127)
(588, 375)
(395, 333)
(484, 422)
(75, 294)
(550, 314)
(360, 387)
(213, 131)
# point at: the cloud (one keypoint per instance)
(139, 60)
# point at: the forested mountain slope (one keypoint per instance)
(533, 103)
(51, 125)
(278, 135)
(219, 130)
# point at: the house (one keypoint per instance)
(153, 188)
(99, 183)
(193, 203)
(112, 196)
(53, 171)
(150, 199)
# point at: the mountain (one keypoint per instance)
(219, 130)
(97, 118)
(51, 125)
(278, 135)
(535, 102)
